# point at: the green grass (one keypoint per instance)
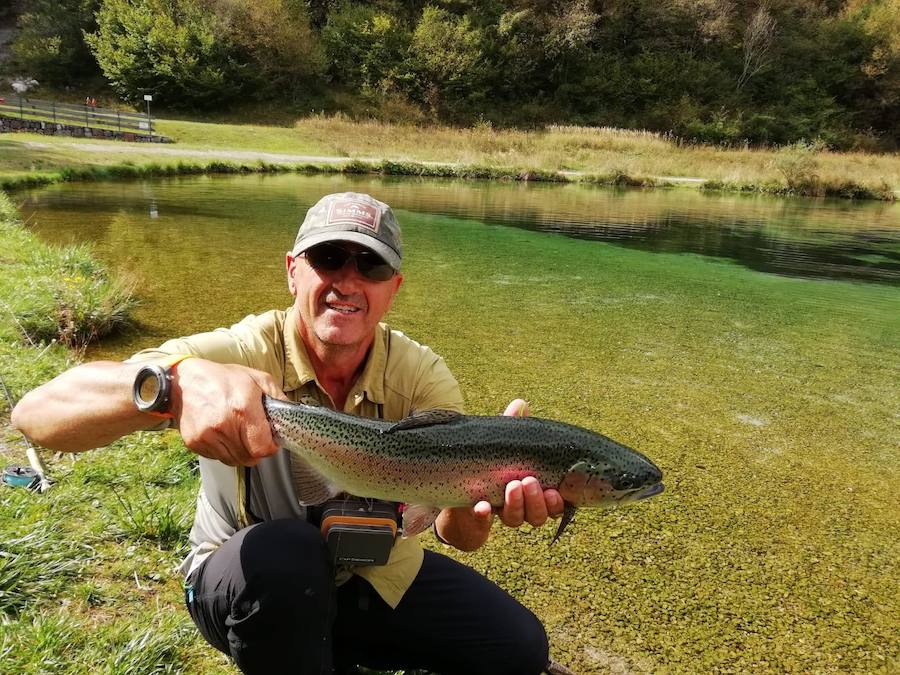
(603, 155)
(87, 579)
(56, 293)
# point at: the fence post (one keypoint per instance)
(119, 117)
(54, 112)
(21, 114)
(86, 116)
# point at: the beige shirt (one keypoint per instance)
(400, 376)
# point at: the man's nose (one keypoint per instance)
(347, 276)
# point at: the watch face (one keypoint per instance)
(149, 387)
(151, 391)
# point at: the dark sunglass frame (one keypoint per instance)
(330, 258)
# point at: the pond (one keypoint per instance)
(749, 345)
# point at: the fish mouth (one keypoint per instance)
(648, 492)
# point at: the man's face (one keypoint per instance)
(339, 308)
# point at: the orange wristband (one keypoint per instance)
(169, 364)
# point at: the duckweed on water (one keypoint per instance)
(769, 404)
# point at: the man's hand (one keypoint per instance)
(524, 502)
(218, 410)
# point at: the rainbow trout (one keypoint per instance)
(438, 458)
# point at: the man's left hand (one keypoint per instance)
(467, 528)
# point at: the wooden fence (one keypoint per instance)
(88, 116)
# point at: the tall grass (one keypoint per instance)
(60, 294)
(154, 517)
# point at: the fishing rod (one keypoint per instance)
(34, 478)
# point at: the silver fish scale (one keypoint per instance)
(448, 463)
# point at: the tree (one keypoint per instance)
(49, 44)
(365, 47)
(274, 38)
(166, 47)
(448, 59)
(758, 38)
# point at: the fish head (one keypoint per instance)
(601, 481)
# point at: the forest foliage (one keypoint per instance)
(721, 71)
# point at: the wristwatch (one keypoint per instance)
(153, 386)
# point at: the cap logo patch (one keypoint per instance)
(348, 212)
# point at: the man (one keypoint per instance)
(259, 581)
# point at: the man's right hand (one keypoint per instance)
(218, 410)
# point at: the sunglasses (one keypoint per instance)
(331, 258)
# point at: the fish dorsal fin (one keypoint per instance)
(426, 418)
(311, 486)
(418, 518)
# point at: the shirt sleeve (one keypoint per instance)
(435, 387)
(253, 343)
(418, 379)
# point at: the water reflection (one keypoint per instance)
(834, 239)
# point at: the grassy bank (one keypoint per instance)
(560, 153)
(87, 580)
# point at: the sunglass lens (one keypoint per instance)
(372, 266)
(330, 258)
(327, 257)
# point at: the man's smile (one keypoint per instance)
(342, 306)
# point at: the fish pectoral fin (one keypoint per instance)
(426, 418)
(567, 516)
(312, 487)
(418, 518)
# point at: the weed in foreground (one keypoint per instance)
(36, 566)
(149, 517)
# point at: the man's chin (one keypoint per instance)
(339, 336)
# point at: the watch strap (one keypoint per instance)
(168, 365)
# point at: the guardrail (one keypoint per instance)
(88, 116)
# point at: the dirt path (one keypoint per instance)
(239, 155)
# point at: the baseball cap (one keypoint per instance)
(353, 217)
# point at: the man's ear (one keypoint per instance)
(290, 262)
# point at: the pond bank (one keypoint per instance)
(106, 537)
(847, 190)
(563, 154)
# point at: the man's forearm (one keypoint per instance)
(83, 408)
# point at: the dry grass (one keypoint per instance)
(641, 155)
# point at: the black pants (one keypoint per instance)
(267, 598)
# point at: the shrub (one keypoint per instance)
(798, 163)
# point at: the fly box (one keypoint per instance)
(359, 531)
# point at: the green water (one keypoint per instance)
(749, 346)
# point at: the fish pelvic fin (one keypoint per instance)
(568, 516)
(312, 487)
(418, 518)
(425, 418)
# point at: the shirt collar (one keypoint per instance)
(298, 370)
